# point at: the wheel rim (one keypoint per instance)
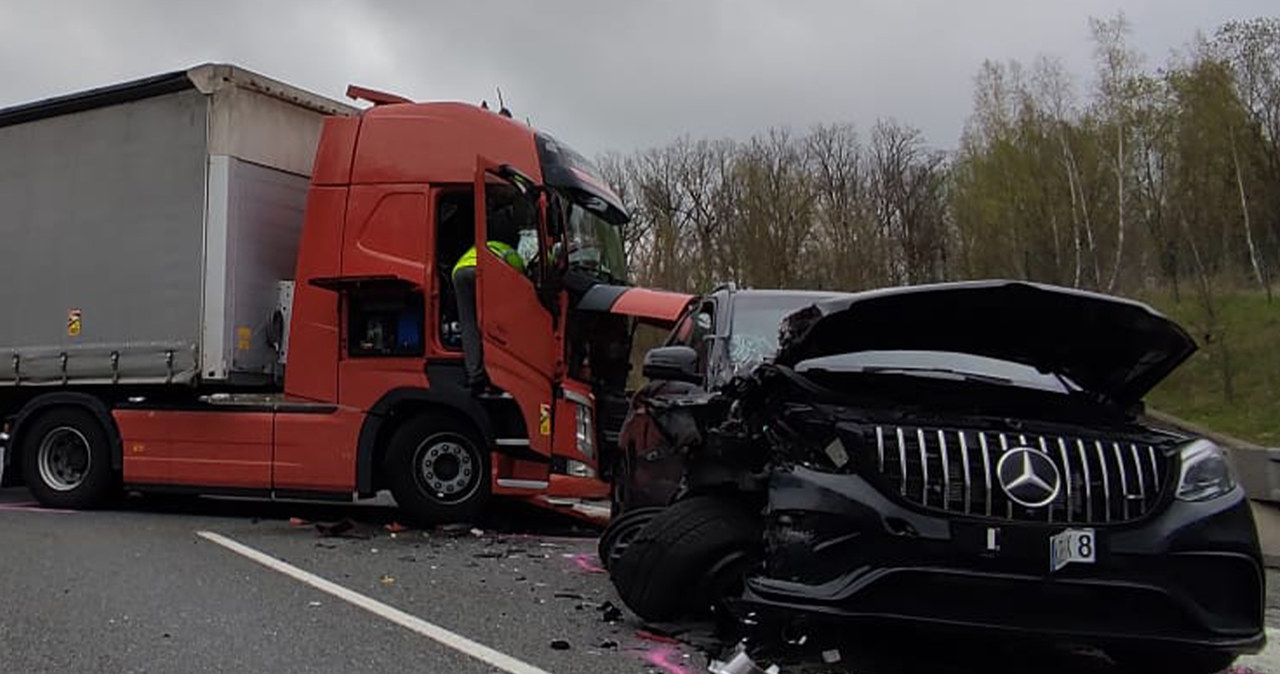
(447, 468)
(64, 458)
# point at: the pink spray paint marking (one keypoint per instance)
(586, 562)
(667, 658)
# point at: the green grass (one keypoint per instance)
(1250, 329)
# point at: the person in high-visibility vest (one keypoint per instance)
(464, 287)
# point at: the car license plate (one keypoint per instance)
(1073, 545)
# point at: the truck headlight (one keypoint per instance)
(586, 432)
(1206, 472)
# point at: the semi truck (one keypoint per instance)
(222, 284)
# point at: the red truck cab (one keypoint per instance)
(373, 393)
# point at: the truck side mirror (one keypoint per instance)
(674, 363)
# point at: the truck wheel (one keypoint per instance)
(438, 471)
(621, 531)
(66, 459)
(686, 557)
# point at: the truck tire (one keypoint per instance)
(621, 531)
(438, 471)
(686, 557)
(66, 459)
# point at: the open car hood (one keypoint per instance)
(1112, 347)
(650, 306)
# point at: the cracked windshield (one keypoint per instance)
(648, 338)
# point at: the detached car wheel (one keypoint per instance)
(681, 561)
(438, 471)
(66, 459)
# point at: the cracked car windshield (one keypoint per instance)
(756, 319)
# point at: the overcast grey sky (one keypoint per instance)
(602, 75)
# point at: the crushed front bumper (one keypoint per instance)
(1188, 575)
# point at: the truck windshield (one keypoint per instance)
(595, 245)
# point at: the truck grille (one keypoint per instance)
(953, 470)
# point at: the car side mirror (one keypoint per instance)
(673, 363)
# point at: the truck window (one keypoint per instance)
(384, 324)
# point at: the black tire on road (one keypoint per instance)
(669, 569)
(66, 459)
(438, 471)
(1159, 658)
(621, 531)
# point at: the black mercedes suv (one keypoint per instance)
(965, 456)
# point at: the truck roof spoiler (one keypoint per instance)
(357, 93)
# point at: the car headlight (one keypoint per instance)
(586, 432)
(1206, 472)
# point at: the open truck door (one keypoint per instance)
(517, 330)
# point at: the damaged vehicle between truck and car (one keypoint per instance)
(963, 456)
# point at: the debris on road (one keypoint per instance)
(477, 532)
(298, 522)
(831, 657)
(395, 527)
(609, 612)
(740, 663)
(387, 579)
(343, 528)
(560, 645)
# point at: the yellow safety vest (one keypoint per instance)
(503, 251)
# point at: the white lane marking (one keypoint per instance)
(434, 632)
(31, 508)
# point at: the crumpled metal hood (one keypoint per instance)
(1113, 347)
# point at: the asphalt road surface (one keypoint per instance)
(204, 585)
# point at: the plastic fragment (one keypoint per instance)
(387, 579)
(609, 613)
(740, 663)
(831, 657)
(395, 527)
(560, 645)
(342, 528)
(298, 522)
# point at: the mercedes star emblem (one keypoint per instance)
(1029, 477)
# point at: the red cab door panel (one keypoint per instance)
(516, 329)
